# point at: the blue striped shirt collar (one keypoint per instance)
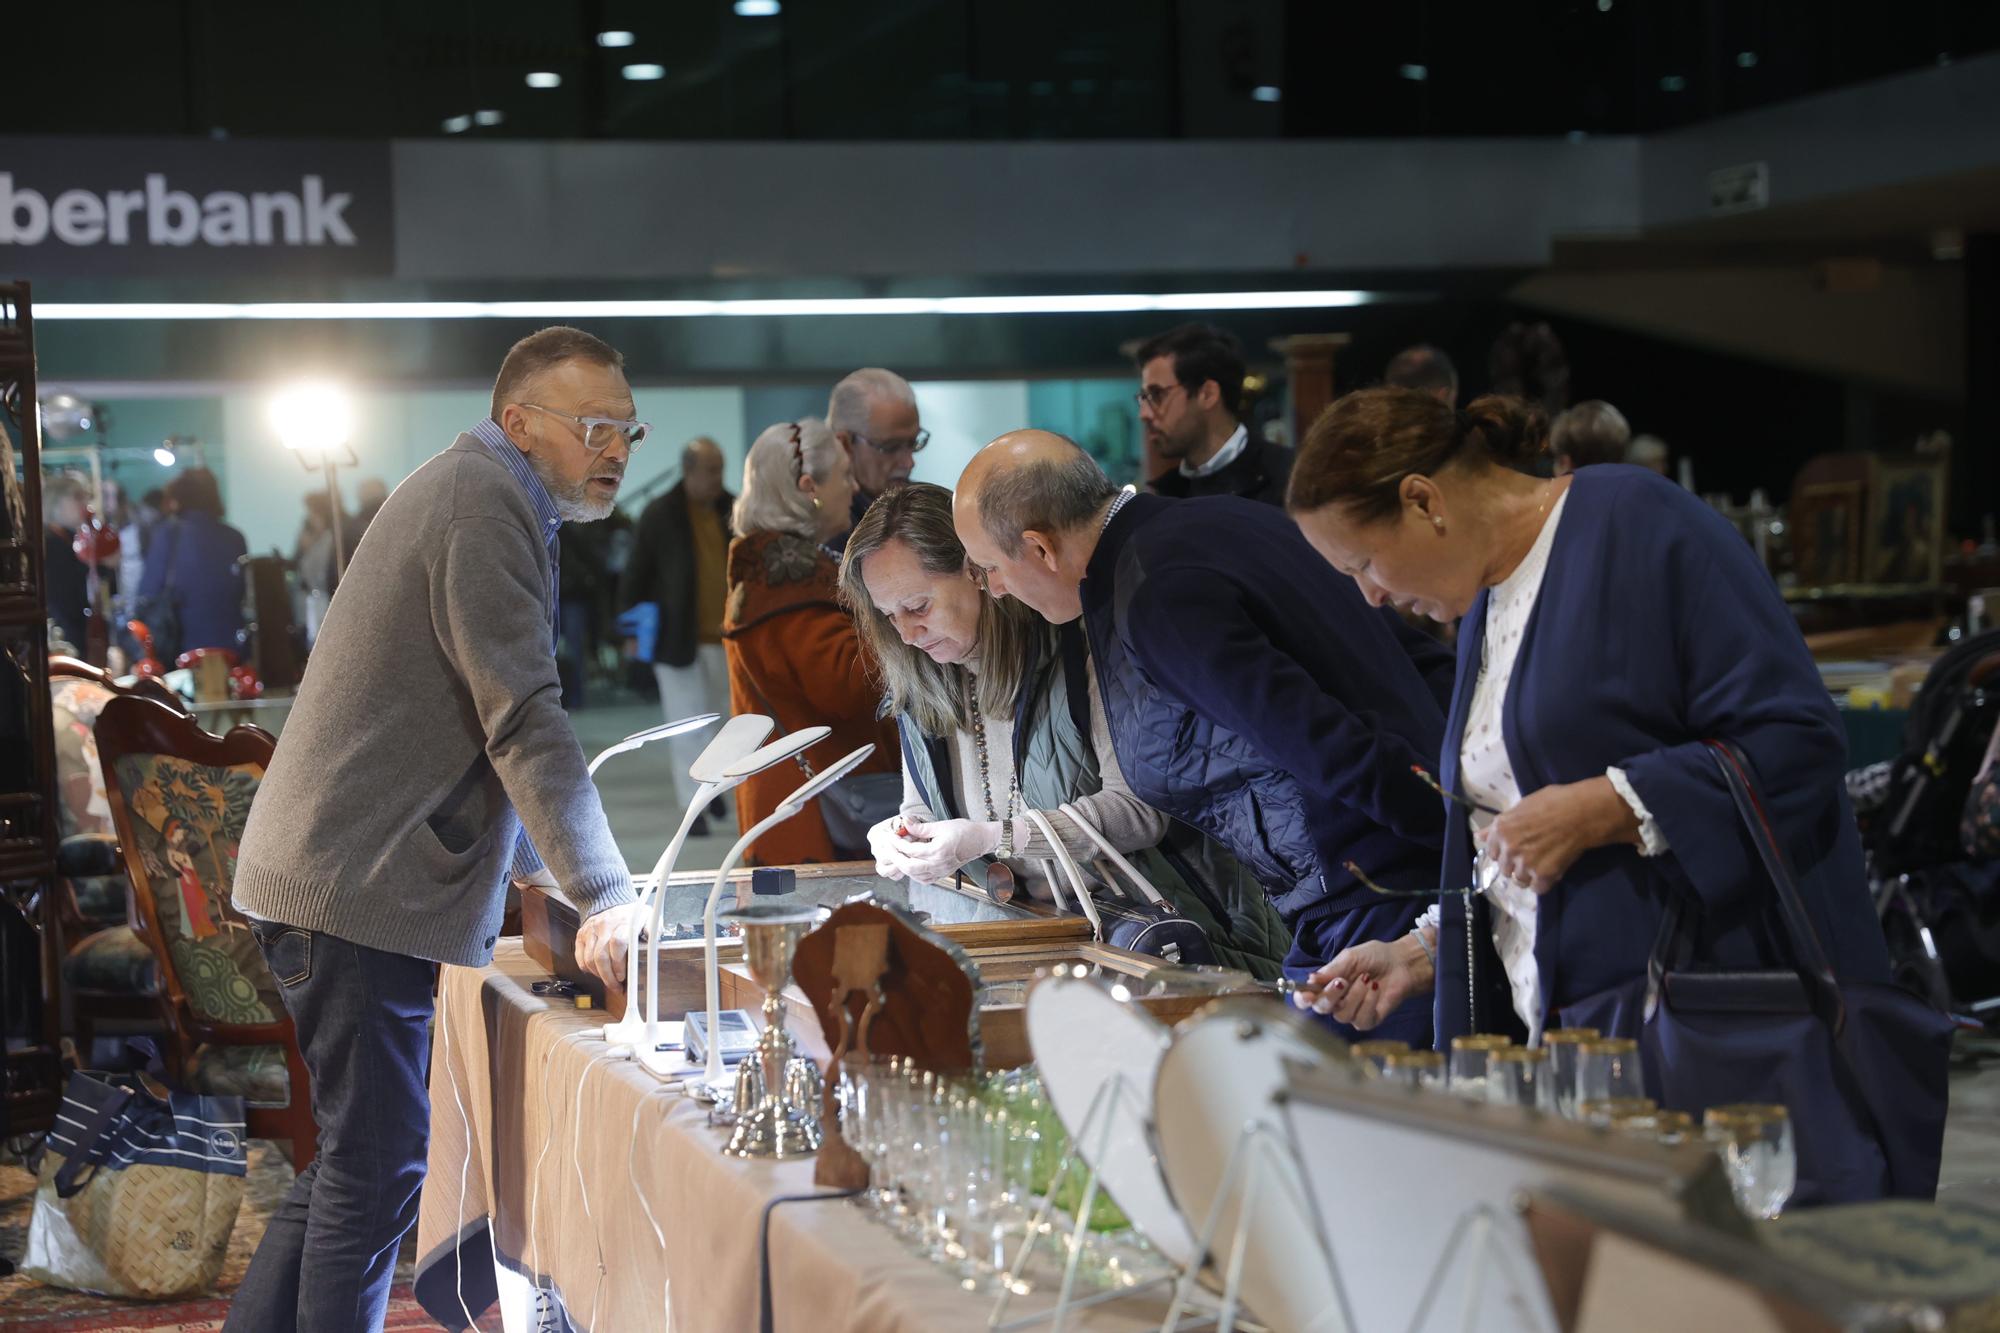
(516, 462)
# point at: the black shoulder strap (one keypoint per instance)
(1809, 956)
(1075, 652)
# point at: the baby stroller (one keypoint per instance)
(1940, 913)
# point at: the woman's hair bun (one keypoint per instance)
(1515, 432)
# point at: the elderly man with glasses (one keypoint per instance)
(428, 732)
(873, 413)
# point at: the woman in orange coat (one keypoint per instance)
(792, 649)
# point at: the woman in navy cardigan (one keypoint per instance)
(1634, 624)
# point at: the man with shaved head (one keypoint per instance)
(873, 413)
(680, 564)
(1251, 692)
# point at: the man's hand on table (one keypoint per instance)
(600, 942)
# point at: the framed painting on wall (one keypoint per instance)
(1827, 519)
(1906, 522)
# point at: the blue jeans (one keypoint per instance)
(329, 1253)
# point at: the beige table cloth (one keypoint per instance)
(523, 1094)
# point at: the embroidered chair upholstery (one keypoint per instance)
(107, 968)
(180, 798)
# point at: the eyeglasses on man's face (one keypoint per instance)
(1155, 396)
(913, 445)
(599, 432)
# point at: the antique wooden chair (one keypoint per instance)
(180, 798)
(107, 971)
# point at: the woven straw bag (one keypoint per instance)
(137, 1189)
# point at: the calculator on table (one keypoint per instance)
(735, 1034)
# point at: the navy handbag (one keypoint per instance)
(1861, 1067)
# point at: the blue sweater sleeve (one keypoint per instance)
(1744, 676)
(1196, 641)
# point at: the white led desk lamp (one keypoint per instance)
(651, 734)
(712, 1077)
(731, 757)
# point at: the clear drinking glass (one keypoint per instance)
(887, 1088)
(1673, 1127)
(1739, 1139)
(1608, 1068)
(1605, 1110)
(861, 1096)
(1639, 1124)
(944, 1183)
(1519, 1076)
(1564, 1045)
(917, 1136)
(1769, 1170)
(1416, 1069)
(1468, 1062)
(1377, 1053)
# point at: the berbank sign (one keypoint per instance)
(193, 207)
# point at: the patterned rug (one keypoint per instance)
(28, 1306)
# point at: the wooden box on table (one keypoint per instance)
(1007, 968)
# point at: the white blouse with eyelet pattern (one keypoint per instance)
(1486, 772)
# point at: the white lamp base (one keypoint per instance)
(629, 1031)
(659, 1062)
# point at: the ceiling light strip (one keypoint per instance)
(1055, 304)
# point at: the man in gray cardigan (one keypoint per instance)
(427, 733)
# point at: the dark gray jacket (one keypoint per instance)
(662, 571)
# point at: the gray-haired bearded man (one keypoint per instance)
(427, 733)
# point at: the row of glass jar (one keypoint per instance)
(1582, 1075)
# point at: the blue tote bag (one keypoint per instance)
(1861, 1067)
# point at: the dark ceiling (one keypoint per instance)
(952, 69)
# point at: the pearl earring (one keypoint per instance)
(1437, 522)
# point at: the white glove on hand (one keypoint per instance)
(881, 838)
(932, 851)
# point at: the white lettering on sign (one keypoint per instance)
(175, 217)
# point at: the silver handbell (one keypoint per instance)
(803, 1084)
(749, 1092)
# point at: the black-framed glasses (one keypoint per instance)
(915, 444)
(1155, 395)
(599, 432)
(798, 452)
